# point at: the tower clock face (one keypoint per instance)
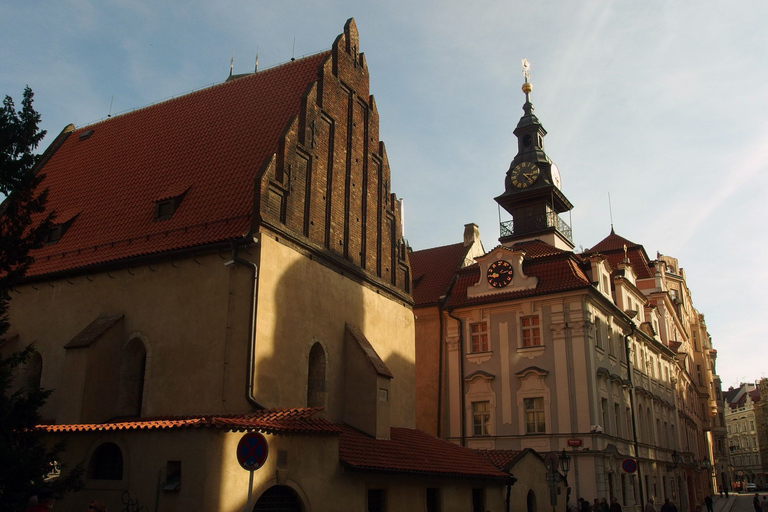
(555, 176)
(524, 174)
(500, 274)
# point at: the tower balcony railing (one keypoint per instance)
(534, 224)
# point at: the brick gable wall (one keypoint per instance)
(329, 182)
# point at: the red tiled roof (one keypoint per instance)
(271, 421)
(612, 242)
(537, 249)
(433, 271)
(412, 451)
(211, 143)
(612, 247)
(555, 275)
(500, 458)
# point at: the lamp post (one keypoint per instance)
(708, 467)
(554, 477)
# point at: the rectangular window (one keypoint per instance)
(628, 419)
(481, 418)
(616, 420)
(604, 414)
(531, 331)
(376, 500)
(478, 500)
(433, 499)
(479, 336)
(534, 416)
(598, 332)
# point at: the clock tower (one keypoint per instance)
(532, 192)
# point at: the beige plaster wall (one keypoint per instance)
(531, 472)
(211, 478)
(187, 313)
(428, 346)
(301, 302)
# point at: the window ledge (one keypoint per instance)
(531, 352)
(479, 357)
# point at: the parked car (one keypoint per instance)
(751, 487)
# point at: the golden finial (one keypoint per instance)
(527, 87)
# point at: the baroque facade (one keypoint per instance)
(743, 421)
(232, 261)
(533, 346)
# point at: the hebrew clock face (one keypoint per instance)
(555, 176)
(524, 174)
(500, 274)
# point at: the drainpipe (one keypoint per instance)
(461, 375)
(252, 327)
(440, 373)
(632, 408)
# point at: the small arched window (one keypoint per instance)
(106, 463)
(531, 501)
(131, 385)
(316, 377)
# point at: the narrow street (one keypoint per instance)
(736, 502)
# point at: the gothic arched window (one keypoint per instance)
(316, 377)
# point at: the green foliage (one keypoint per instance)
(23, 225)
(25, 458)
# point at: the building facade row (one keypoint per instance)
(599, 353)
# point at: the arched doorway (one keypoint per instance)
(278, 498)
(531, 501)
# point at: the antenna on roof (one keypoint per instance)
(232, 64)
(256, 67)
(110, 106)
(610, 210)
(293, 52)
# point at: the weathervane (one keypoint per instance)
(527, 88)
(526, 70)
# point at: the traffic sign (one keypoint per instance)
(575, 442)
(629, 465)
(252, 451)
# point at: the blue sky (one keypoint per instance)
(660, 104)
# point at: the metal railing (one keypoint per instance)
(536, 223)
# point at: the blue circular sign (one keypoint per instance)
(252, 451)
(629, 465)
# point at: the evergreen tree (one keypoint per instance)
(25, 459)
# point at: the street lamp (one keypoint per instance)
(554, 477)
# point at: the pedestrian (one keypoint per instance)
(650, 507)
(584, 505)
(708, 503)
(764, 504)
(726, 491)
(596, 506)
(668, 506)
(615, 507)
(756, 503)
(604, 505)
(720, 490)
(97, 506)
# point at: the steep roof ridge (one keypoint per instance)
(201, 89)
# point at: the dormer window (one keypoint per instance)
(164, 209)
(167, 204)
(57, 230)
(54, 235)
